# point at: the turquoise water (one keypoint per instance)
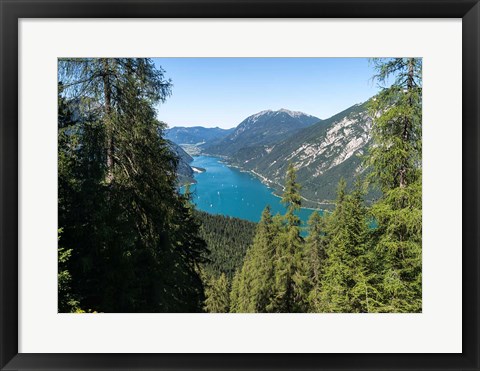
(228, 191)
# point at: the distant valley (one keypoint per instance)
(322, 151)
(196, 135)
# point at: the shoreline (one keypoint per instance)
(267, 182)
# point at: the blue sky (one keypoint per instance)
(224, 91)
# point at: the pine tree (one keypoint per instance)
(289, 295)
(242, 299)
(235, 292)
(105, 81)
(398, 243)
(334, 294)
(137, 246)
(315, 257)
(345, 253)
(395, 157)
(395, 161)
(67, 302)
(217, 299)
(254, 284)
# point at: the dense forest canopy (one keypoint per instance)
(130, 241)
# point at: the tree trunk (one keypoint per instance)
(107, 89)
(407, 121)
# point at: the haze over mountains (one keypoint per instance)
(265, 143)
(196, 134)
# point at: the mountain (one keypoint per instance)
(263, 128)
(184, 170)
(322, 154)
(195, 134)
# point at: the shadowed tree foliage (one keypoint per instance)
(135, 244)
(395, 160)
(289, 295)
(315, 257)
(254, 282)
(217, 294)
(345, 264)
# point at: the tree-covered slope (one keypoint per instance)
(227, 239)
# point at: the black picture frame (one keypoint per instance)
(12, 11)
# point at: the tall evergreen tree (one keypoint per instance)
(289, 295)
(398, 245)
(254, 285)
(242, 300)
(395, 160)
(345, 251)
(136, 243)
(395, 157)
(67, 302)
(315, 256)
(217, 297)
(104, 81)
(235, 292)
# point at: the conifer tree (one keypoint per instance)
(217, 299)
(395, 157)
(395, 161)
(254, 285)
(334, 295)
(263, 261)
(105, 82)
(289, 295)
(345, 251)
(235, 292)
(137, 247)
(315, 257)
(67, 302)
(242, 300)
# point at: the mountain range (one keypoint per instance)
(263, 128)
(197, 135)
(322, 151)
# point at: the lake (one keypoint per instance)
(228, 191)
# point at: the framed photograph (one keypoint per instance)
(240, 185)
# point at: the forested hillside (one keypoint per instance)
(227, 239)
